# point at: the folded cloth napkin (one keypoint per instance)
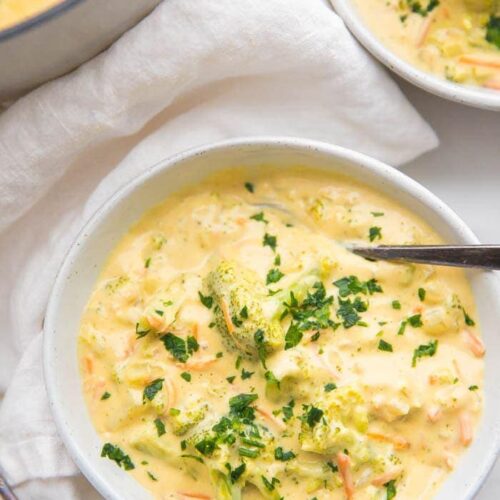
(192, 72)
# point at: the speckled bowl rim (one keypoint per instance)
(464, 94)
(387, 177)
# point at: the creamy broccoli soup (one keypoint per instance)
(456, 39)
(233, 347)
(15, 11)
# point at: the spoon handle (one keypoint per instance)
(480, 256)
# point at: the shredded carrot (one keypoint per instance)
(426, 27)
(198, 363)
(474, 343)
(386, 477)
(189, 494)
(465, 423)
(271, 418)
(344, 463)
(227, 316)
(492, 84)
(434, 413)
(418, 309)
(89, 364)
(399, 442)
(481, 60)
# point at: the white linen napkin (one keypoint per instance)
(192, 72)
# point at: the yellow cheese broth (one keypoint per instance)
(187, 236)
(15, 11)
(450, 41)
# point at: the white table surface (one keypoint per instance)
(465, 173)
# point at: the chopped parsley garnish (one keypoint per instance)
(312, 415)
(377, 214)
(468, 320)
(384, 346)
(206, 446)
(179, 348)
(421, 294)
(277, 260)
(159, 312)
(249, 187)
(424, 350)
(235, 474)
(288, 410)
(269, 241)
(206, 300)
(246, 374)
(186, 376)
(352, 285)
(270, 485)
(493, 30)
(160, 427)
(231, 379)
(153, 478)
(312, 314)
(259, 217)
(348, 311)
(415, 321)
(116, 454)
(194, 457)
(390, 488)
(375, 233)
(416, 7)
(330, 387)
(239, 360)
(219, 355)
(473, 388)
(147, 262)
(402, 327)
(106, 395)
(273, 276)
(259, 339)
(396, 304)
(240, 405)
(332, 466)
(293, 336)
(152, 389)
(315, 337)
(271, 378)
(283, 456)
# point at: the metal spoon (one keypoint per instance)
(479, 256)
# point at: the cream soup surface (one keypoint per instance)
(456, 39)
(234, 348)
(15, 11)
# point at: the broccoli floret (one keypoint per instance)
(338, 421)
(240, 310)
(184, 419)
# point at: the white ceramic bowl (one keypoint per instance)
(465, 94)
(88, 254)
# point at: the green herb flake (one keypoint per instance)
(147, 262)
(117, 455)
(246, 374)
(473, 388)
(151, 476)
(283, 456)
(330, 387)
(219, 355)
(246, 452)
(277, 260)
(206, 300)
(396, 304)
(152, 389)
(193, 457)
(235, 474)
(384, 346)
(179, 348)
(468, 320)
(160, 427)
(293, 336)
(273, 276)
(377, 214)
(106, 395)
(493, 30)
(312, 415)
(415, 321)
(390, 489)
(186, 376)
(270, 241)
(249, 187)
(239, 360)
(421, 294)
(429, 349)
(375, 233)
(231, 379)
(259, 218)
